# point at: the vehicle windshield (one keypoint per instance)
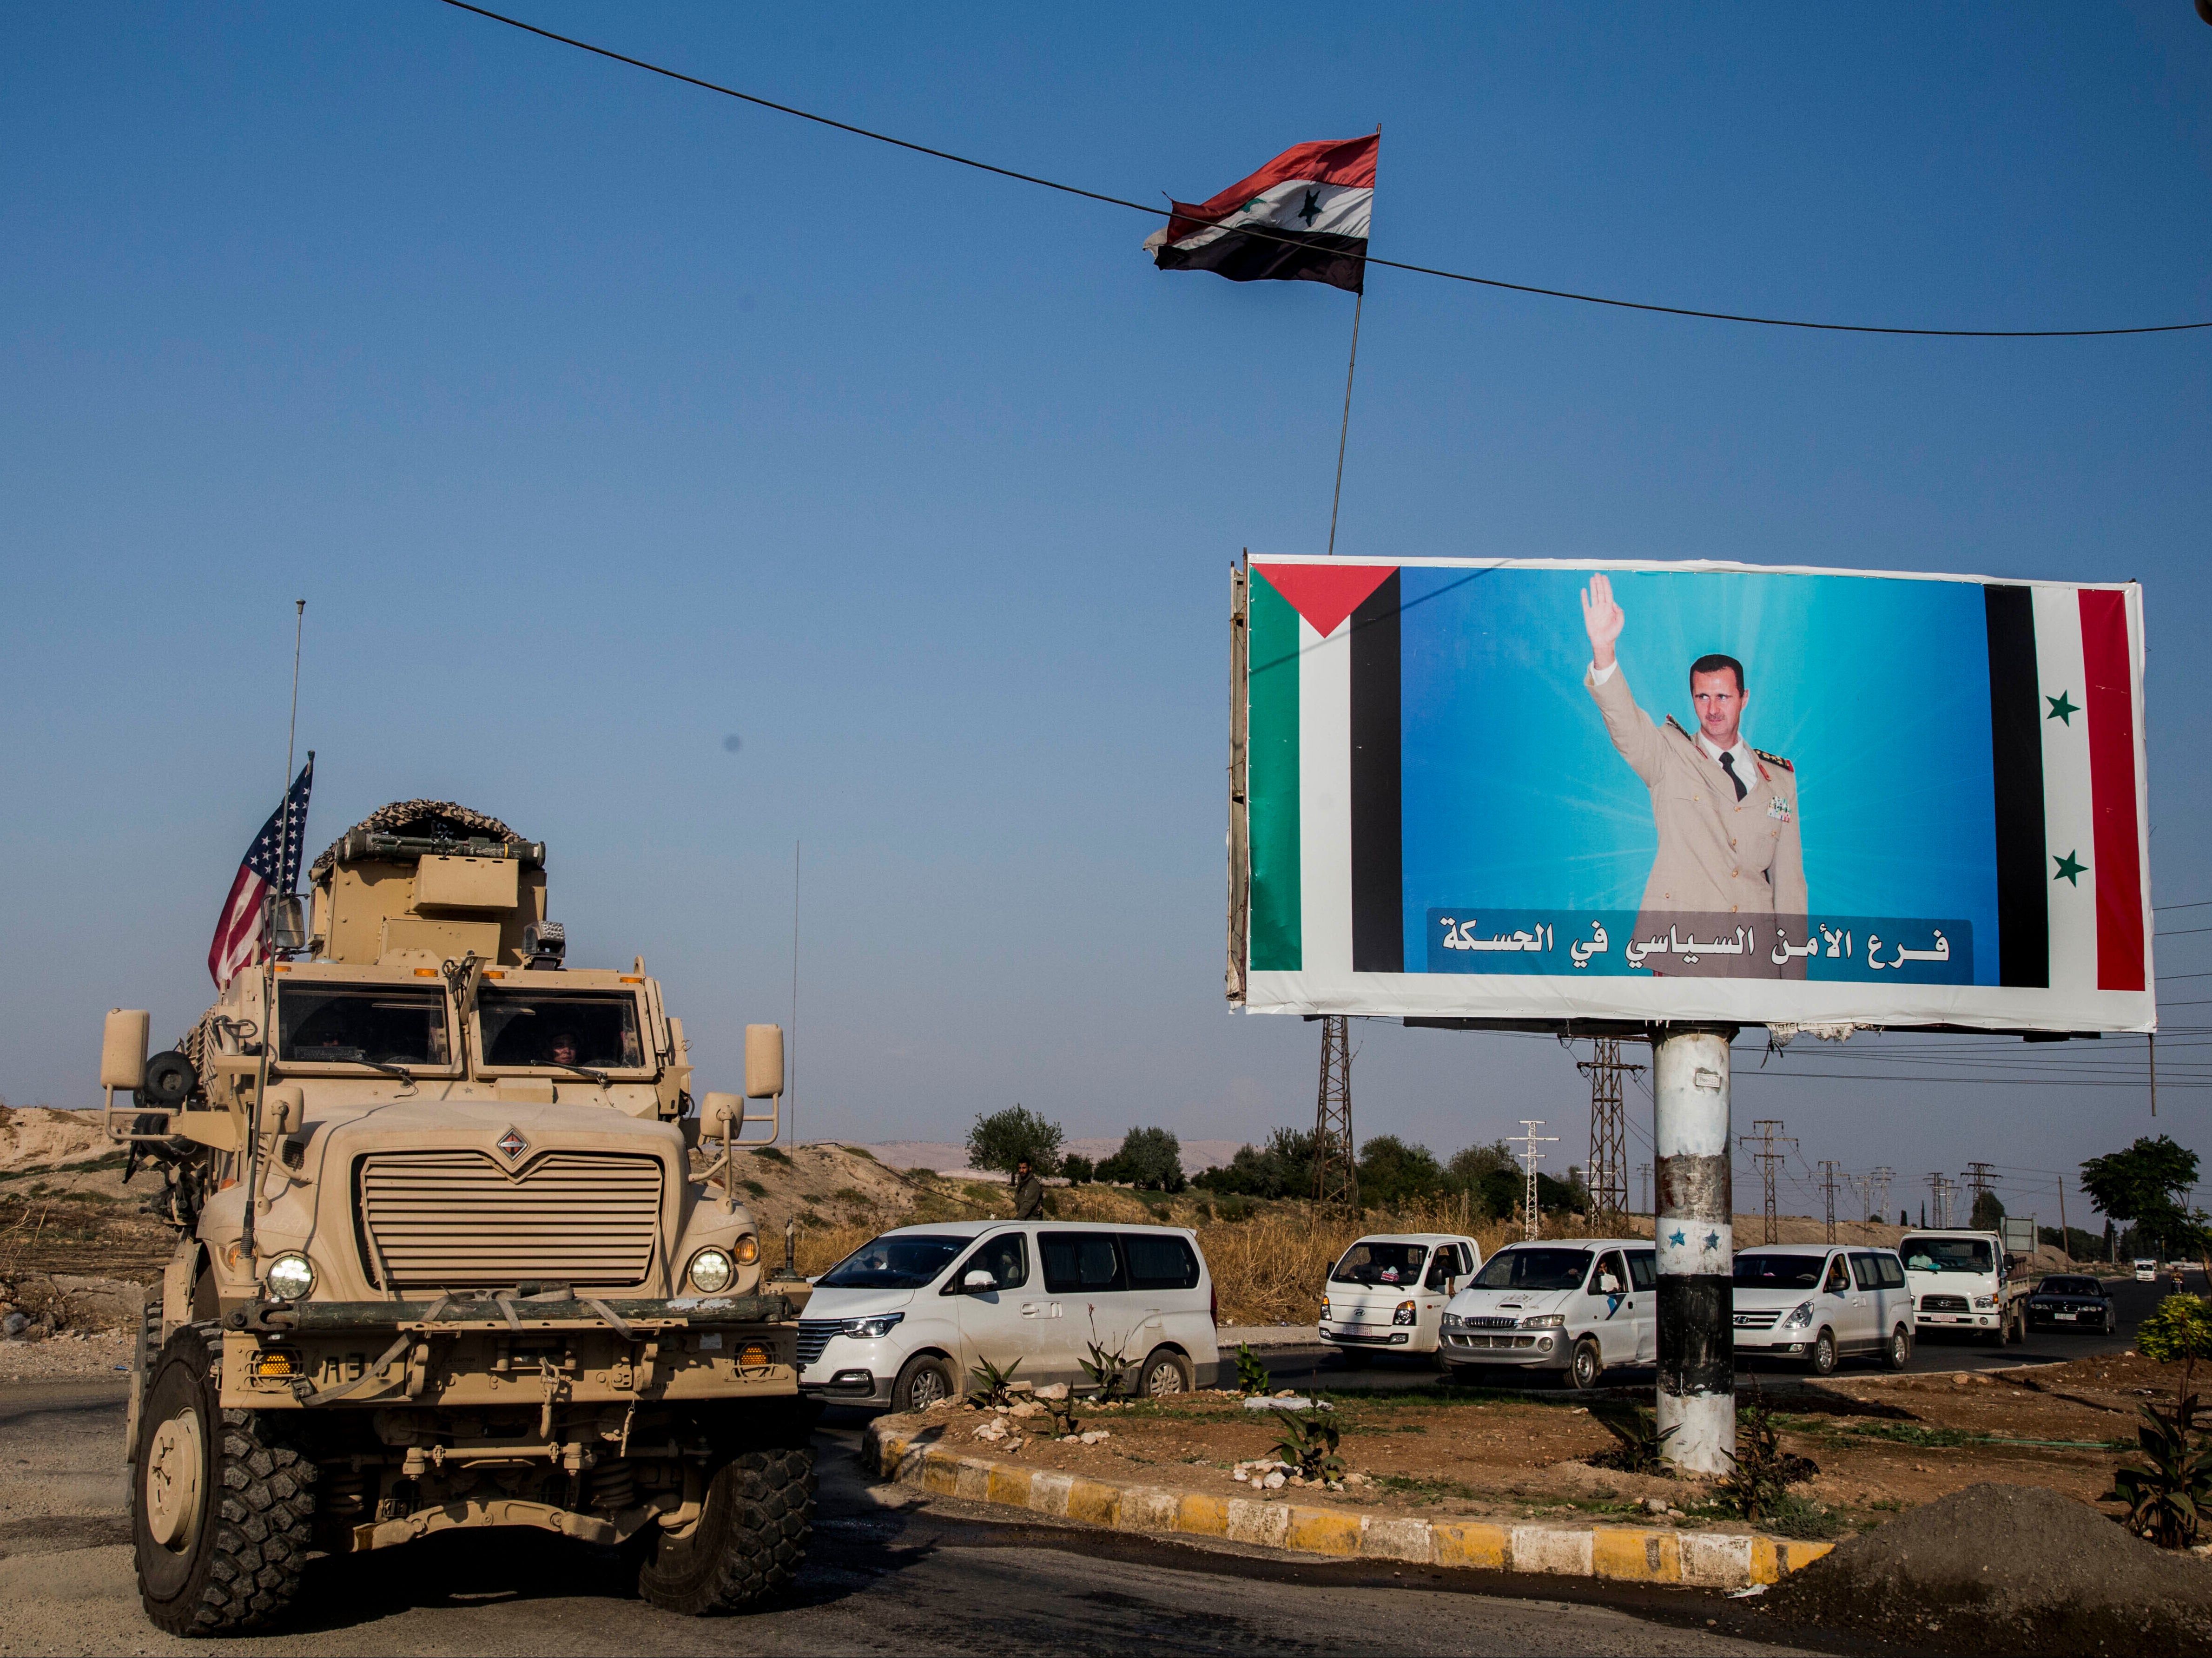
(1370, 1262)
(361, 1025)
(1757, 1272)
(1533, 1269)
(1949, 1256)
(906, 1262)
(589, 1030)
(2068, 1286)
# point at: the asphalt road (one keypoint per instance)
(1311, 1364)
(891, 1572)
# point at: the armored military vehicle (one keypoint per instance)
(443, 1261)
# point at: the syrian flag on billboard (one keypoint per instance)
(1303, 217)
(271, 863)
(1331, 651)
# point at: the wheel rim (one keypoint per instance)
(1166, 1377)
(1585, 1366)
(1824, 1353)
(928, 1386)
(172, 1482)
(1897, 1349)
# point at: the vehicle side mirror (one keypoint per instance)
(978, 1279)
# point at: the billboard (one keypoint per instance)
(1537, 791)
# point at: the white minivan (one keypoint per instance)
(1580, 1305)
(1387, 1292)
(1817, 1303)
(904, 1318)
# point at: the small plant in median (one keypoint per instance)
(1756, 1484)
(1252, 1377)
(1108, 1372)
(989, 1382)
(2169, 1496)
(1308, 1442)
(1638, 1441)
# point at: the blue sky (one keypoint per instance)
(599, 419)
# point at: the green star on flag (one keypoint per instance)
(2061, 710)
(2070, 870)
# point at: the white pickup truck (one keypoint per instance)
(1962, 1283)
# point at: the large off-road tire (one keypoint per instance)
(750, 1540)
(221, 1507)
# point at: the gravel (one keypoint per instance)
(2006, 1569)
(70, 1356)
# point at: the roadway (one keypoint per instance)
(891, 1571)
(1300, 1359)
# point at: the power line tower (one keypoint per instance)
(1609, 1128)
(1980, 1177)
(1828, 1186)
(1531, 1158)
(1881, 1178)
(1766, 1132)
(1336, 1175)
(1863, 1186)
(1644, 1187)
(1941, 1192)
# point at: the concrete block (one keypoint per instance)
(1715, 1560)
(1635, 1555)
(1009, 1483)
(1471, 1542)
(1254, 1521)
(1145, 1510)
(1048, 1491)
(1323, 1531)
(1094, 1502)
(1202, 1516)
(1398, 1539)
(1552, 1549)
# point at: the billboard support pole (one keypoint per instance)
(1694, 1228)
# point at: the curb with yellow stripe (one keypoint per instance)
(1634, 1554)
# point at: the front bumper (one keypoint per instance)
(1956, 1320)
(1535, 1350)
(506, 1352)
(1385, 1337)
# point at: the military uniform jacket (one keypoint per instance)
(1717, 854)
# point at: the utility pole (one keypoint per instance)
(1828, 1183)
(1336, 1175)
(1694, 1229)
(1938, 1199)
(2065, 1237)
(1609, 1130)
(1765, 1132)
(1980, 1176)
(1531, 1158)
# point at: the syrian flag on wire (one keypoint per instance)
(271, 863)
(1303, 217)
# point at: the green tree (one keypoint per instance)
(2145, 1185)
(1002, 1139)
(1392, 1173)
(1470, 1168)
(1079, 1170)
(1989, 1210)
(1150, 1159)
(1281, 1168)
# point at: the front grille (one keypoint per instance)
(1488, 1323)
(1494, 1343)
(814, 1335)
(1942, 1304)
(450, 1220)
(1758, 1321)
(1360, 1335)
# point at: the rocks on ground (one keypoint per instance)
(34, 1305)
(2005, 1568)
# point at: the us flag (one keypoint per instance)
(271, 863)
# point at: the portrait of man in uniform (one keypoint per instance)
(1730, 853)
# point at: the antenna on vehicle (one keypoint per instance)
(285, 867)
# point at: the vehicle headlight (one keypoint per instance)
(1406, 1313)
(748, 1250)
(291, 1276)
(1799, 1316)
(1544, 1321)
(872, 1329)
(1983, 1303)
(1453, 1320)
(710, 1271)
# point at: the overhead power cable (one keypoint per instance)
(1258, 232)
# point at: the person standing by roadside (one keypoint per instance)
(1028, 1192)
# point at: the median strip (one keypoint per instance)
(1634, 1554)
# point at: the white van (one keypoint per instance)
(904, 1318)
(1580, 1305)
(1818, 1303)
(1387, 1292)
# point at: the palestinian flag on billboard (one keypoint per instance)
(1303, 217)
(1430, 776)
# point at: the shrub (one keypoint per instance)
(1150, 1159)
(1252, 1378)
(774, 1154)
(1309, 1440)
(1002, 1139)
(1079, 1170)
(1761, 1472)
(1638, 1442)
